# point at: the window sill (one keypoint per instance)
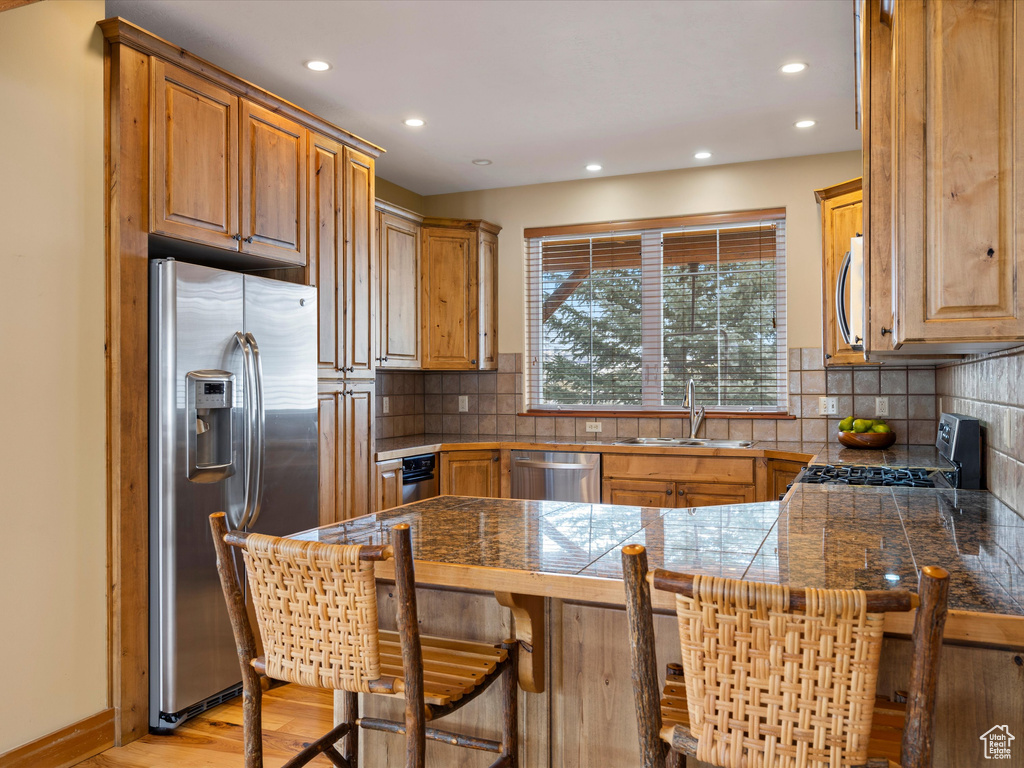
(659, 414)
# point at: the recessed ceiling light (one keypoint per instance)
(414, 122)
(793, 67)
(804, 123)
(702, 155)
(482, 161)
(593, 167)
(318, 66)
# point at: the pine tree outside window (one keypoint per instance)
(621, 317)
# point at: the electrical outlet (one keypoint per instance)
(828, 406)
(593, 426)
(881, 406)
(387, 405)
(463, 403)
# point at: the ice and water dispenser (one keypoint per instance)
(210, 398)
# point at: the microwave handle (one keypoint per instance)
(841, 317)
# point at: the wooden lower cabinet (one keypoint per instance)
(471, 473)
(347, 467)
(389, 484)
(780, 474)
(677, 481)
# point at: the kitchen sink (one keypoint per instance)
(676, 442)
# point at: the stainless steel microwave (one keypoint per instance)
(850, 299)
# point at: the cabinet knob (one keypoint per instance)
(236, 238)
(248, 239)
(350, 369)
(385, 358)
(472, 362)
(668, 492)
(886, 330)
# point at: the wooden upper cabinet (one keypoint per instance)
(840, 220)
(458, 290)
(273, 185)
(958, 171)
(341, 253)
(358, 306)
(399, 282)
(488, 287)
(194, 158)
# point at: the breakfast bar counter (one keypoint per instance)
(556, 565)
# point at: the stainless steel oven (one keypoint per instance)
(419, 477)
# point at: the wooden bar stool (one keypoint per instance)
(780, 678)
(316, 608)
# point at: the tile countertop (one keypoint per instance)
(823, 536)
(823, 453)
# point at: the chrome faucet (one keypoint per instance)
(696, 419)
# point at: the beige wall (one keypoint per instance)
(399, 196)
(766, 184)
(52, 456)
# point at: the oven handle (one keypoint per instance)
(841, 317)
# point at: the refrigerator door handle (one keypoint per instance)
(260, 421)
(249, 389)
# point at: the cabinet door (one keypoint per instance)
(780, 474)
(346, 451)
(639, 493)
(711, 494)
(449, 283)
(357, 286)
(399, 304)
(193, 158)
(389, 484)
(325, 246)
(488, 289)
(471, 473)
(958, 172)
(273, 185)
(840, 220)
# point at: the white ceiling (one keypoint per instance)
(540, 87)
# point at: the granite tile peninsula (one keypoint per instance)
(557, 566)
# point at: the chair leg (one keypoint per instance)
(675, 759)
(510, 705)
(349, 714)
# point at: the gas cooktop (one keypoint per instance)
(911, 477)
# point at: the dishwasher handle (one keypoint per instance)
(551, 464)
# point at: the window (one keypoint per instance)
(622, 316)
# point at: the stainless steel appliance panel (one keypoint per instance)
(556, 476)
(195, 313)
(280, 319)
(419, 478)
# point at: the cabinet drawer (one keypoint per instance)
(692, 469)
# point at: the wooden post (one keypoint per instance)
(529, 630)
(642, 655)
(412, 654)
(245, 644)
(919, 733)
(349, 714)
(510, 705)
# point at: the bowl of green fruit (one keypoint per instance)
(865, 433)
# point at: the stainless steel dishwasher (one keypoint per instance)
(556, 476)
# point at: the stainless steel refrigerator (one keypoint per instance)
(233, 427)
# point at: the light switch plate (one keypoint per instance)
(387, 405)
(593, 426)
(828, 406)
(463, 403)
(881, 406)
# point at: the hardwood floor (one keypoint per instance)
(292, 717)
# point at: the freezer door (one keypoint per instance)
(194, 316)
(281, 321)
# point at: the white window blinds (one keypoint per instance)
(624, 319)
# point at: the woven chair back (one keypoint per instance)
(316, 606)
(767, 687)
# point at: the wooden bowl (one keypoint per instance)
(875, 440)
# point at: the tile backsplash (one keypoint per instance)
(989, 388)
(428, 402)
